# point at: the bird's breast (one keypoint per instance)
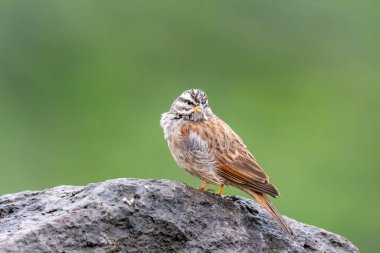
(191, 152)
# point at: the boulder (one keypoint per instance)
(135, 215)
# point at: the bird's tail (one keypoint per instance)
(264, 201)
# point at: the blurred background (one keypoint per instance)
(83, 85)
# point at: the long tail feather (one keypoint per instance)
(263, 200)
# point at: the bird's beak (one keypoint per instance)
(197, 109)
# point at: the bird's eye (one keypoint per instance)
(189, 103)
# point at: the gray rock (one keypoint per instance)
(133, 215)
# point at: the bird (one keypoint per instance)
(206, 147)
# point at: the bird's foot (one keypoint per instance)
(203, 187)
(220, 190)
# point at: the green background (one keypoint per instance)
(83, 84)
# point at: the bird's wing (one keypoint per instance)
(236, 163)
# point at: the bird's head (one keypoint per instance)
(192, 105)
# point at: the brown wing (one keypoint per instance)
(236, 163)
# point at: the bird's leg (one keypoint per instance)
(203, 186)
(220, 189)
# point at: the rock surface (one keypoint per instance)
(133, 215)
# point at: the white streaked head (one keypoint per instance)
(192, 105)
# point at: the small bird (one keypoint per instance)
(206, 147)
